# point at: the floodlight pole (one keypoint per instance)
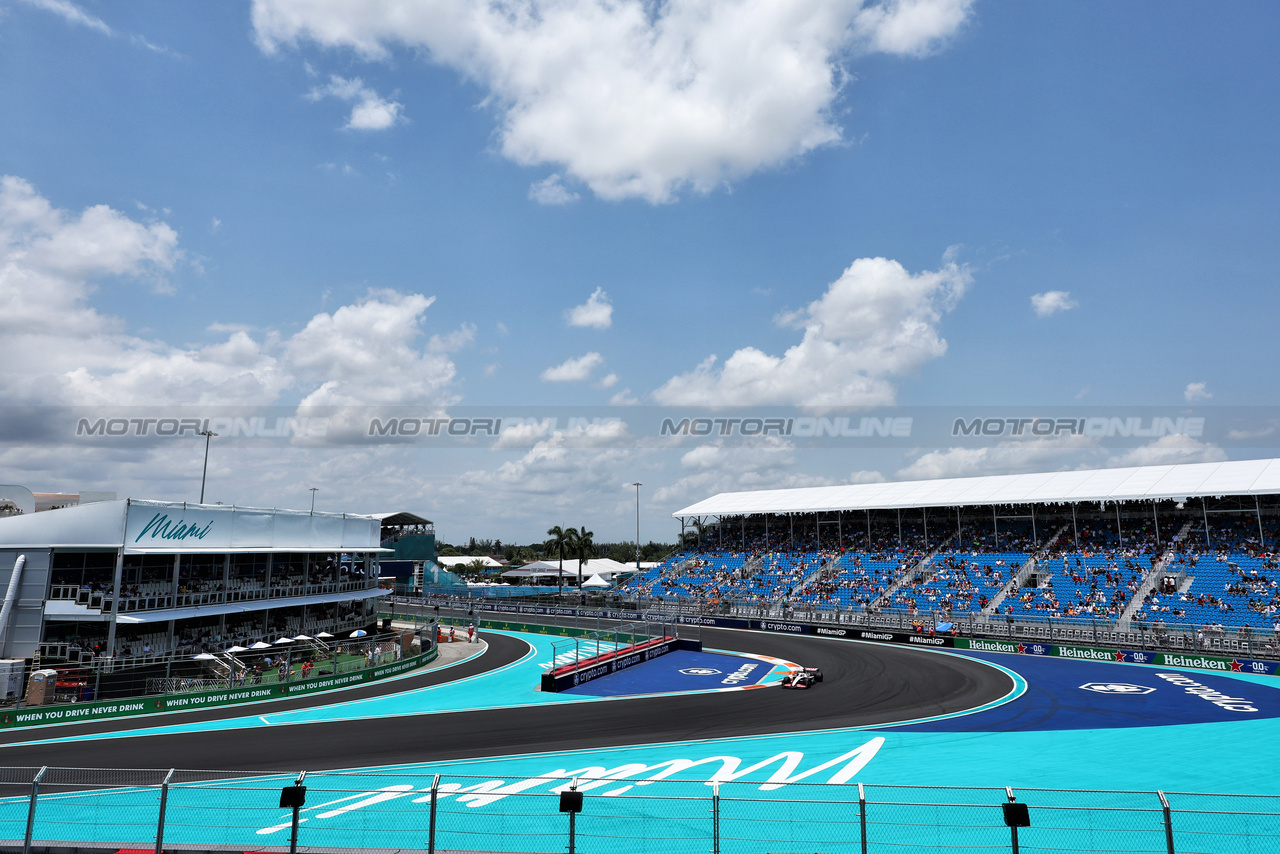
(208, 434)
(637, 485)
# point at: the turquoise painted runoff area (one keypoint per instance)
(658, 792)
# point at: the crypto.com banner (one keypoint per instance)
(643, 426)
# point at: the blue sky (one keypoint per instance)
(401, 204)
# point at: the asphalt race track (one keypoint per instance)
(865, 684)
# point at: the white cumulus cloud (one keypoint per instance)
(636, 99)
(875, 323)
(1168, 450)
(765, 463)
(910, 27)
(451, 342)
(72, 14)
(1050, 454)
(573, 370)
(61, 349)
(576, 469)
(368, 352)
(1195, 392)
(1052, 302)
(369, 110)
(596, 312)
(551, 191)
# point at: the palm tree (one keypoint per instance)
(583, 548)
(561, 541)
(478, 568)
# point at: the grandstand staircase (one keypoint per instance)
(750, 567)
(674, 572)
(905, 578)
(224, 665)
(818, 574)
(1156, 573)
(315, 645)
(1032, 565)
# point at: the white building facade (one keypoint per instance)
(136, 579)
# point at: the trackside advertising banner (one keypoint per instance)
(1192, 660)
(80, 712)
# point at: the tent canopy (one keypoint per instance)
(604, 567)
(1139, 483)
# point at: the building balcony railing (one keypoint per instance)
(103, 601)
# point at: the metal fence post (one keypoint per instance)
(431, 825)
(293, 833)
(573, 787)
(862, 817)
(1168, 822)
(164, 803)
(1013, 830)
(715, 818)
(31, 810)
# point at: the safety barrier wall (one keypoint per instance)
(717, 806)
(596, 666)
(80, 712)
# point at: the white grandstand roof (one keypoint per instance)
(1140, 483)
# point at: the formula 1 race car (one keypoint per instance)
(806, 678)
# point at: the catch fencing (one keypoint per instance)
(1171, 637)
(632, 809)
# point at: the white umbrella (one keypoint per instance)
(204, 656)
(358, 633)
(237, 649)
(260, 645)
(324, 635)
(284, 640)
(302, 637)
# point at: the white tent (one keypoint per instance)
(601, 566)
(537, 569)
(596, 581)
(452, 561)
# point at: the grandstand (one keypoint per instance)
(1129, 548)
